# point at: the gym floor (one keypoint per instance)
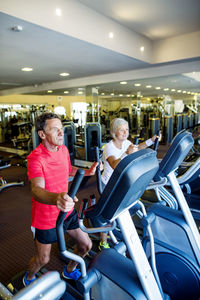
(16, 241)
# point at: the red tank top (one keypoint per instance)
(54, 167)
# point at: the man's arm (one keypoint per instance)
(62, 200)
(88, 172)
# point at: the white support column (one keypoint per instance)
(185, 208)
(138, 257)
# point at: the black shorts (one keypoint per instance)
(49, 236)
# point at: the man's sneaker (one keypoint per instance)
(103, 245)
(75, 275)
(26, 281)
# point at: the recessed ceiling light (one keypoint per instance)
(123, 82)
(166, 89)
(102, 94)
(128, 95)
(58, 12)
(179, 91)
(137, 84)
(64, 74)
(27, 69)
(120, 95)
(66, 92)
(148, 86)
(112, 94)
(49, 91)
(173, 90)
(111, 35)
(184, 92)
(157, 88)
(80, 92)
(132, 95)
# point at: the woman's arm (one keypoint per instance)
(113, 161)
(149, 142)
(88, 172)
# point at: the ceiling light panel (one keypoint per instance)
(64, 74)
(27, 69)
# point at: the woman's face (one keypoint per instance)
(122, 132)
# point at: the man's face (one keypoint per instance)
(53, 132)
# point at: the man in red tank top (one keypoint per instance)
(49, 168)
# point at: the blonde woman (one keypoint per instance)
(114, 151)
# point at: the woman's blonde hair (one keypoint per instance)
(115, 124)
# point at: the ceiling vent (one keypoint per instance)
(17, 28)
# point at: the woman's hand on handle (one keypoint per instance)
(132, 148)
(156, 137)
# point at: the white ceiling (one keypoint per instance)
(155, 19)
(51, 52)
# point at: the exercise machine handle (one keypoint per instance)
(76, 183)
(136, 141)
(61, 217)
(98, 171)
(83, 207)
(156, 143)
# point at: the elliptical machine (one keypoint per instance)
(177, 240)
(111, 274)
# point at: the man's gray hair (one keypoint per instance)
(115, 124)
